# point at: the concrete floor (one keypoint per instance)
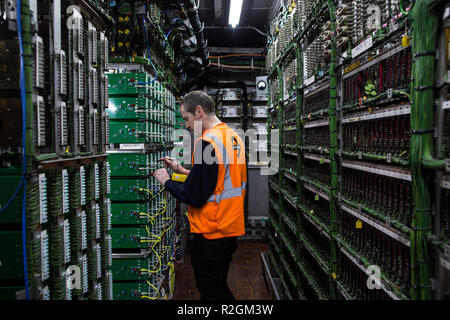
(245, 277)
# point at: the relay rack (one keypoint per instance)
(363, 176)
(69, 231)
(141, 125)
(60, 186)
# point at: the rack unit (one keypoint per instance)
(60, 186)
(142, 121)
(361, 136)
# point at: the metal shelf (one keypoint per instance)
(311, 279)
(316, 158)
(374, 61)
(315, 149)
(393, 233)
(317, 123)
(291, 201)
(316, 86)
(290, 128)
(312, 250)
(318, 224)
(343, 291)
(378, 114)
(290, 223)
(316, 191)
(384, 170)
(315, 184)
(291, 153)
(290, 177)
(291, 276)
(383, 283)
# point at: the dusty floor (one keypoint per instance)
(245, 277)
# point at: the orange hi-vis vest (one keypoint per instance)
(223, 214)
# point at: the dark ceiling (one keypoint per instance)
(214, 13)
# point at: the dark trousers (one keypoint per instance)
(211, 261)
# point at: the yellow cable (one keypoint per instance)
(142, 189)
(159, 260)
(147, 215)
(148, 232)
(151, 285)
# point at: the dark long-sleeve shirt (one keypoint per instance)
(200, 183)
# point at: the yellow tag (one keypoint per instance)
(278, 107)
(290, 9)
(316, 197)
(405, 41)
(120, 19)
(369, 110)
(293, 4)
(179, 177)
(321, 161)
(290, 128)
(277, 29)
(333, 275)
(67, 149)
(359, 224)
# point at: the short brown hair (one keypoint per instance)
(198, 98)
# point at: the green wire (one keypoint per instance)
(400, 5)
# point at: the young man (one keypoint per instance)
(214, 191)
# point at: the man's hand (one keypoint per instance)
(161, 175)
(173, 164)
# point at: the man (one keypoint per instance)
(214, 191)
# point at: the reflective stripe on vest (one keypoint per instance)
(227, 184)
(228, 194)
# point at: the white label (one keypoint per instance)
(310, 80)
(132, 146)
(363, 46)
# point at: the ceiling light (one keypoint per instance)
(235, 12)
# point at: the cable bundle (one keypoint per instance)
(317, 137)
(74, 188)
(57, 284)
(54, 193)
(317, 172)
(317, 101)
(385, 195)
(32, 200)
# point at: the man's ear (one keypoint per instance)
(199, 110)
